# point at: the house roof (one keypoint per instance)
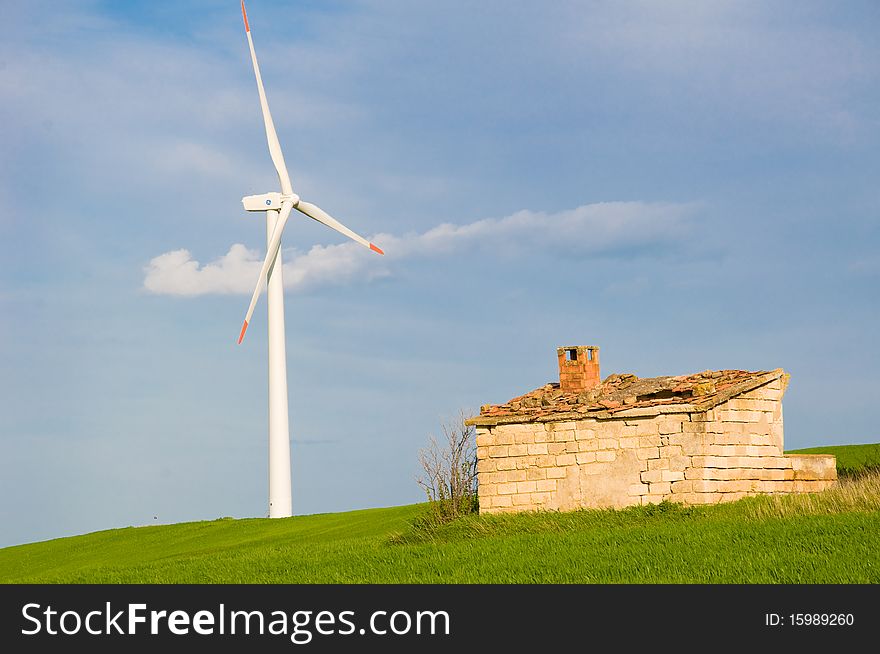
(624, 395)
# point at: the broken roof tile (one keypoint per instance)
(624, 392)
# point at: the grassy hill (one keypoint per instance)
(832, 537)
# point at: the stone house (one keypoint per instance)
(713, 436)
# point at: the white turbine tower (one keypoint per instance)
(278, 207)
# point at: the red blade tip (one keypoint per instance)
(375, 248)
(243, 330)
(244, 15)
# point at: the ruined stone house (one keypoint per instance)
(713, 436)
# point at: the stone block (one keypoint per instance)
(539, 499)
(537, 448)
(749, 404)
(698, 498)
(556, 448)
(488, 479)
(606, 455)
(731, 439)
(568, 425)
(690, 444)
(660, 488)
(693, 428)
(671, 475)
(775, 474)
(585, 434)
(658, 464)
(501, 501)
(598, 468)
(487, 490)
(778, 486)
(680, 463)
(522, 500)
(534, 474)
(563, 436)
(546, 485)
(739, 486)
(585, 457)
(652, 440)
(497, 451)
(555, 473)
(526, 487)
(608, 444)
(484, 437)
(517, 450)
(705, 486)
(506, 489)
(516, 475)
(486, 465)
(760, 450)
(670, 424)
(709, 462)
(645, 412)
(682, 487)
(572, 447)
(721, 450)
(645, 453)
(637, 489)
(586, 423)
(504, 464)
(813, 466)
(545, 461)
(696, 473)
(652, 476)
(588, 446)
(610, 429)
(483, 452)
(774, 461)
(813, 486)
(733, 415)
(524, 462)
(629, 442)
(715, 427)
(629, 431)
(566, 460)
(669, 451)
(503, 435)
(764, 393)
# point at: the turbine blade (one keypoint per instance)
(271, 253)
(271, 136)
(316, 213)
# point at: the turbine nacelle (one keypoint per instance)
(267, 201)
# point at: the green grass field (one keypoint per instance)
(831, 537)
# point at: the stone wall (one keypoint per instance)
(646, 455)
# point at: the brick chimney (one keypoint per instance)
(578, 367)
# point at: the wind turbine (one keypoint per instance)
(278, 207)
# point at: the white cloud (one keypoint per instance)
(591, 228)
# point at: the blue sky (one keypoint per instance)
(688, 185)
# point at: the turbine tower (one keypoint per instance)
(278, 207)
